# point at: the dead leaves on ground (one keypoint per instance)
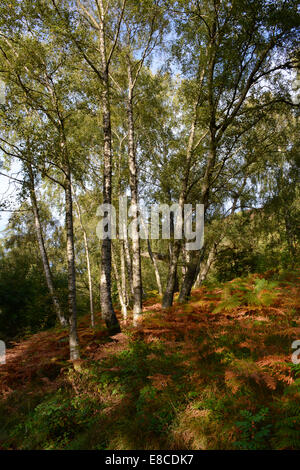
(192, 329)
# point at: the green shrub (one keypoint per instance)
(287, 428)
(246, 292)
(253, 430)
(55, 421)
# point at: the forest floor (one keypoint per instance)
(214, 373)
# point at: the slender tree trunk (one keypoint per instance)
(175, 249)
(107, 309)
(172, 279)
(128, 264)
(190, 276)
(126, 258)
(169, 293)
(122, 297)
(42, 248)
(155, 265)
(193, 276)
(207, 265)
(192, 272)
(88, 264)
(194, 265)
(172, 276)
(73, 337)
(89, 279)
(186, 259)
(123, 274)
(122, 242)
(136, 251)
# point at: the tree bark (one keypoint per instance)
(155, 265)
(172, 275)
(176, 246)
(123, 274)
(168, 296)
(107, 310)
(207, 265)
(73, 337)
(193, 274)
(120, 288)
(136, 250)
(128, 264)
(189, 278)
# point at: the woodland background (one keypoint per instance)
(166, 102)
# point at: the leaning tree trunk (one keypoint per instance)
(73, 337)
(207, 265)
(190, 276)
(171, 281)
(193, 276)
(155, 265)
(168, 296)
(136, 251)
(43, 252)
(194, 265)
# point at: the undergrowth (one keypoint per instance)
(213, 374)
